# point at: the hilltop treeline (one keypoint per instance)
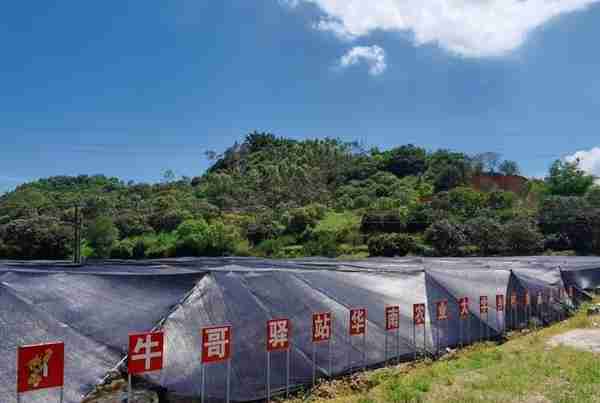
(273, 196)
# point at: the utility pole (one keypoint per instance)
(77, 237)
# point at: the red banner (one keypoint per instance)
(483, 304)
(321, 329)
(278, 334)
(419, 314)
(463, 307)
(358, 321)
(499, 303)
(40, 367)
(392, 318)
(441, 310)
(216, 344)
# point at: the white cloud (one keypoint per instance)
(373, 56)
(589, 160)
(470, 28)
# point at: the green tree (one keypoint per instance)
(593, 196)
(487, 234)
(566, 178)
(522, 237)
(508, 167)
(446, 237)
(405, 160)
(101, 233)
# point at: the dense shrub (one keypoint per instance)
(486, 234)
(446, 237)
(523, 238)
(122, 249)
(38, 237)
(391, 245)
(557, 242)
(101, 234)
(198, 238)
(390, 221)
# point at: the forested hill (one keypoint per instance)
(272, 196)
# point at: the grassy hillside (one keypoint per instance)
(277, 197)
(524, 369)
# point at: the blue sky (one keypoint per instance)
(131, 88)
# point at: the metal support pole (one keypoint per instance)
(415, 339)
(287, 372)
(18, 397)
(386, 347)
(330, 358)
(268, 377)
(314, 362)
(437, 337)
(203, 377)
(129, 390)
(229, 380)
(398, 344)
(62, 395)
(424, 339)
(365, 350)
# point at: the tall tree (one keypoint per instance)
(566, 178)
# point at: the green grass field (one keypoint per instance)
(524, 369)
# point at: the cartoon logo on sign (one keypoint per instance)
(38, 368)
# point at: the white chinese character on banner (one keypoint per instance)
(216, 346)
(419, 314)
(393, 318)
(278, 333)
(143, 351)
(358, 321)
(322, 325)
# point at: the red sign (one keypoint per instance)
(358, 321)
(392, 318)
(513, 299)
(278, 334)
(321, 330)
(483, 304)
(146, 352)
(463, 307)
(419, 314)
(499, 302)
(441, 310)
(40, 367)
(527, 299)
(216, 344)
